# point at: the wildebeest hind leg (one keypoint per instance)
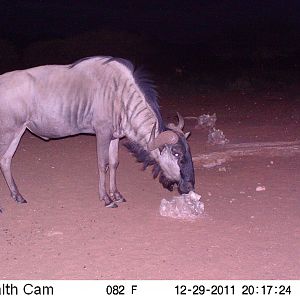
(8, 146)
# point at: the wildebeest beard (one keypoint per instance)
(143, 156)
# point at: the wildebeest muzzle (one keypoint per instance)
(184, 187)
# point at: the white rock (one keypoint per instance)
(186, 206)
(260, 188)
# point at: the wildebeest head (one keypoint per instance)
(175, 164)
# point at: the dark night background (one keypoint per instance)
(237, 59)
(216, 41)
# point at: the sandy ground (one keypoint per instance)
(65, 232)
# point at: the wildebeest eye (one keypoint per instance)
(176, 153)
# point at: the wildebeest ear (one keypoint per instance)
(187, 134)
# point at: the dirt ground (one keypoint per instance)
(65, 232)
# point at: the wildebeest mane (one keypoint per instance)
(77, 62)
(128, 64)
(146, 85)
(143, 156)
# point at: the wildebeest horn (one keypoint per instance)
(180, 121)
(165, 137)
(180, 125)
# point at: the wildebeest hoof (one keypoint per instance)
(117, 197)
(109, 202)
(18, 198)
(111, 205)
(120, 200)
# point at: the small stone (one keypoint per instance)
(260, 188)
(53, 233)
(222, 169)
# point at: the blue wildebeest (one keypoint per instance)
(97, 95)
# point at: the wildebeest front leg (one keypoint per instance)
(8, 145)
(113, 165)
(103, 142)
